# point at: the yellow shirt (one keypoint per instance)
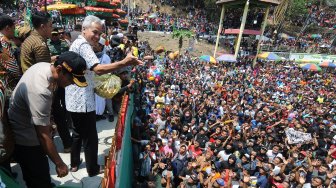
(135, 51)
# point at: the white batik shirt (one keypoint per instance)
(82, 99)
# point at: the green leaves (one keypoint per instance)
(177, 33)
(180, 34)
(297, 9)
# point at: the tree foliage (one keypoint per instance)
(180, 34)
(297, 9)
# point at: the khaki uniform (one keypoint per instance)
(57, 47)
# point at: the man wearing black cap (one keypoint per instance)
(29, 116)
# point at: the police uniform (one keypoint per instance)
(57, 47)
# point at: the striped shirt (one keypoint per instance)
(33, 50)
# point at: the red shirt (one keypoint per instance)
(195, 152)
(333, 155)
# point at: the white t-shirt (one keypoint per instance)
(271, 155)
(224, 156)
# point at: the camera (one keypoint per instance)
(116, 53)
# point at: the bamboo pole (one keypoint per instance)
(220, 27)
(262, 33)
(242, 27)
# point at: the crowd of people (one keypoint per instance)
(319, 17)
(197, 124)
(196, 20)
(155, 20)
(231, 125)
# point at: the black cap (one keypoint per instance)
(74, 64)
(115, 41)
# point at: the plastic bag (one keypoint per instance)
(107, 85)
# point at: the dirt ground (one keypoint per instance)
(201, 47)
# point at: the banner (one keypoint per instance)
(297, 137)
(306, 56)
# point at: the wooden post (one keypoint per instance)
(45, 6)
(262, 33)
(220, 27)
(242, 27)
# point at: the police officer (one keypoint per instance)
(56, 44)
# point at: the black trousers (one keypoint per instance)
(85, 132)
(60, 117)
(34, 165)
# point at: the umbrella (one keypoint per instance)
(327, 64)
(154, 15)
(159, 49)
(61, 6)
(310, 66)
(269, 56)
(314, 36)
(227, 58)
(208, 58)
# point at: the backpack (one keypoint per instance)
(178, 165)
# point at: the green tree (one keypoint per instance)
(297, 9)
(180, 34)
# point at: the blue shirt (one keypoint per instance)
(262, 181)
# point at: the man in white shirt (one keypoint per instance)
(271, 154)
(80, 102)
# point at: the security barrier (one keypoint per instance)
(119, 161)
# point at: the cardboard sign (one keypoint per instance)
(297, 137)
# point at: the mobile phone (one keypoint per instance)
(302, 173)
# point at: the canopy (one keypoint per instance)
(269, 56)
(328, 63)
(98, 9)
(74, 11)
(227, 58)
(208, 59)
(116, 1)
(120, 12)
(311, 67)
(60, 6)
